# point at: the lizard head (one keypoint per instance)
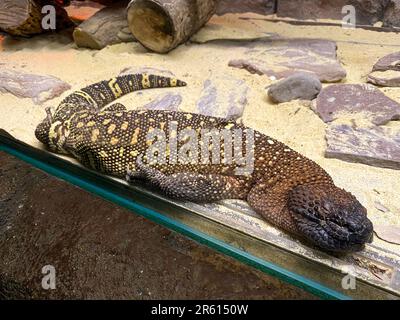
(330, 217)
(51, 133)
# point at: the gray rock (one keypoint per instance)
(240, 6)
(25, 85)
(226, 102)
(337, 99)
(281, 58)
(375, 146)
(299, 86)
(391, 16)
(169, 101)
(368, 11)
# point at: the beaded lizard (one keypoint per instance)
(286, 188)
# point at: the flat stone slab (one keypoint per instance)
(386, 71)
(389, 78)
(375, 146)
(39, 88)
(226, 101)
(341, 99)
(280, 58)
(168, 101)
(389, 62)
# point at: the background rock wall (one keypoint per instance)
(368, 12)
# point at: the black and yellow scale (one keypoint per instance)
(286, 188)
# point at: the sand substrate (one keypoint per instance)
(293, 123)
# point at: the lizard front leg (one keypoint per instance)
(192, 186)
(270, 201)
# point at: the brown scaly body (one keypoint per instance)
(286, 188)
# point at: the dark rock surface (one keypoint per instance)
(391, 16)
(240, 6)
(367, 11)
(337, 99)
(299, 86)
(100, 250)
(227, 101)
(374, 146)
(281, 58)
(26, 85)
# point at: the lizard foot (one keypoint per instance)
(189, 186)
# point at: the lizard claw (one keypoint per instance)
(140, 171)
(131, 174)
(145, 172)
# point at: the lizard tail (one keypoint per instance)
(98, 95)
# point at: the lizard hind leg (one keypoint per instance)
(193, 187)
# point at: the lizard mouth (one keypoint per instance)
(331, 219)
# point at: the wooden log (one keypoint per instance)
(20, 17)
(108, 26)
(161, 25)
(24, 17)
